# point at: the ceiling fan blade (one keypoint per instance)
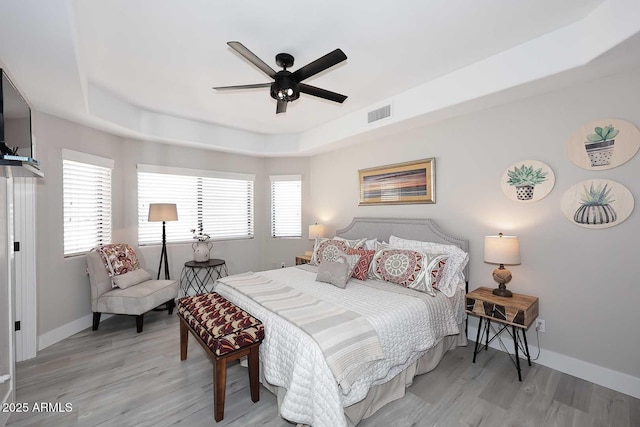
(251, 57)
(319, 65)
(255, 86)
(282, 107)
(321, 93)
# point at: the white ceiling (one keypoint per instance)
(145, 68)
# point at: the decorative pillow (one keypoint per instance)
(132, 278)
(328, 249)
(435, 269)
(457, 260)
(118, 258)
(403, 267)
(354, 243)
(370, 244)
(362, 268)
(335, 273)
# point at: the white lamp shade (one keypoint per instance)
(316, 230)
(502, 250)
(163, 212)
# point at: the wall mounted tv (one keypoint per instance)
(15, 121)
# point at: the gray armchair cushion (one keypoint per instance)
(137, 299)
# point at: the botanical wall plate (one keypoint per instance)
(527, 181)
(603, 144)
(597, 203)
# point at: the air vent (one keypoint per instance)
(379, 114)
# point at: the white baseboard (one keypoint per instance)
(600, 375)
(65, 331)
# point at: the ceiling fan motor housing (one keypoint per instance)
(284, 88)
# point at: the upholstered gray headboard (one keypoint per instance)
(408, 228)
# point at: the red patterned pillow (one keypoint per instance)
(362, 268)
(118, 258)
(400, 266)
(436, 269)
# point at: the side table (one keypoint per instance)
(519, 312)
(197, 276)
(303, 259)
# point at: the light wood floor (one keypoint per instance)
(115, 377)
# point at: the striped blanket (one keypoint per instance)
(347, 340)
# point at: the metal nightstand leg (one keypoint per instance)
(515, 344)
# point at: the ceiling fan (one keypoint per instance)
(287, 86)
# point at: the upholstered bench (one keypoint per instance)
(226, 333)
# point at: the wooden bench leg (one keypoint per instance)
(219, 386)
(184, 340)
(254, 373)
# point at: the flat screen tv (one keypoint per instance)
(15, 120)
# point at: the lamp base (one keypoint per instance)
(502, 291)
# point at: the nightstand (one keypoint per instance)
(303, 259)
(517, 312)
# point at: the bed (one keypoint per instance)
(414, 331)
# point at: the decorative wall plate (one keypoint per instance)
(603, 144)
(527, 181)
(597, 203)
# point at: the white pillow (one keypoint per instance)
(353, 243)
(132, 278)
(456, 262)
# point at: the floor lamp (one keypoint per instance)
(163, 212)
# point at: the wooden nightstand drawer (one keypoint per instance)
(519, 310)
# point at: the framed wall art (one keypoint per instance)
(597, 203)
(603, 144)
(401, 183)
(527, 181)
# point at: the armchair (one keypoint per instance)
(133, 300)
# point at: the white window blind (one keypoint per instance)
(286, 206)
(218, 204)
(87, 201)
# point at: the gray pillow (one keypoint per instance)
(135, 277)
(335, 273)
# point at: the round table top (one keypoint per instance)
(205, 264)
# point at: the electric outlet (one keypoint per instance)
(540, 325)
(282, 264)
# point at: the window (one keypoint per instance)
(219, 204)
(86, 183)
(286, 206)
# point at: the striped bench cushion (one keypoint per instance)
(222, 326)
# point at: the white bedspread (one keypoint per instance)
(407, 326)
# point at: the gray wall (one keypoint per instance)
(63, 287)
(585, 279)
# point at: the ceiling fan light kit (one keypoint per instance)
(286, 86)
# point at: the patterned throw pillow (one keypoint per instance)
(327, 249)
(435, 268)
(118, 258)
(403, 267)
(457, 261)
(366, 256)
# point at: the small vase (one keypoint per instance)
(524, 192)
(600, 153)
(201, 251)
(595, 214)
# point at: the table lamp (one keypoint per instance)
(502, 250)
(163, 212)
(315, 230)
